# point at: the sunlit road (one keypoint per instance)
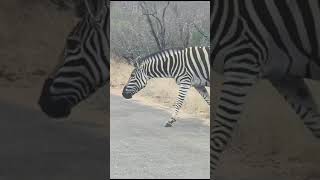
(142, 148)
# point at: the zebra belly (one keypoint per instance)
(196, 81)
(199, 79)
(280, 64)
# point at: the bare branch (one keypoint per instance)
(158, 19)
(164, 10)
(153, 32)
(143, 27)
(200, 31)
(159, 33)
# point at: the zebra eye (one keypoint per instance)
(72, 44)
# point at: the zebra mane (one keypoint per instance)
(142, 60)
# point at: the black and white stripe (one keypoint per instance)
(277, 40)
(84, 63)
(189, 67)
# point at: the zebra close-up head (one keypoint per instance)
(137, 81)
(84, 63)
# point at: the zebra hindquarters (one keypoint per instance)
(239, 76)
(204, 93)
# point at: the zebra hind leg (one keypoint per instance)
(298, 95)
(183, 90)
(204, 93)
(239, 77)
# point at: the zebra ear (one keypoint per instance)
(135, 64)
(80, 8)
(94, 7)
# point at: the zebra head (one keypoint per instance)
(84, 63)
(137, 81)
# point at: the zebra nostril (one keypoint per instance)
(54, 108)
(126, 95)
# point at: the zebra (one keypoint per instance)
(277, 40)
(188, 66)
(84, 63)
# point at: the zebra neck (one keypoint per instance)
(224, 21)
(157, 73)
(159, 66)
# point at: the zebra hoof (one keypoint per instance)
(168, 124)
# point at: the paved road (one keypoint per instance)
(34, 147)
(142, 148)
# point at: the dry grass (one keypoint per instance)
(119, 73)
(161, 91)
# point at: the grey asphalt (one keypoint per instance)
(34, 147)
(140, 147)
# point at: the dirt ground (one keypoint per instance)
(140, 99)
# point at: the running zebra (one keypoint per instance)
(189, 67)
(278, 40)
(84, 65)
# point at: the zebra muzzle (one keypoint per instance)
(126, 95)
(55, 108)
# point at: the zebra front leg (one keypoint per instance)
(238, 80)
(204, 93)
(183, 90)
(298, 95)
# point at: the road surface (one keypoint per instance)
(142, 148)
(34, 147)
